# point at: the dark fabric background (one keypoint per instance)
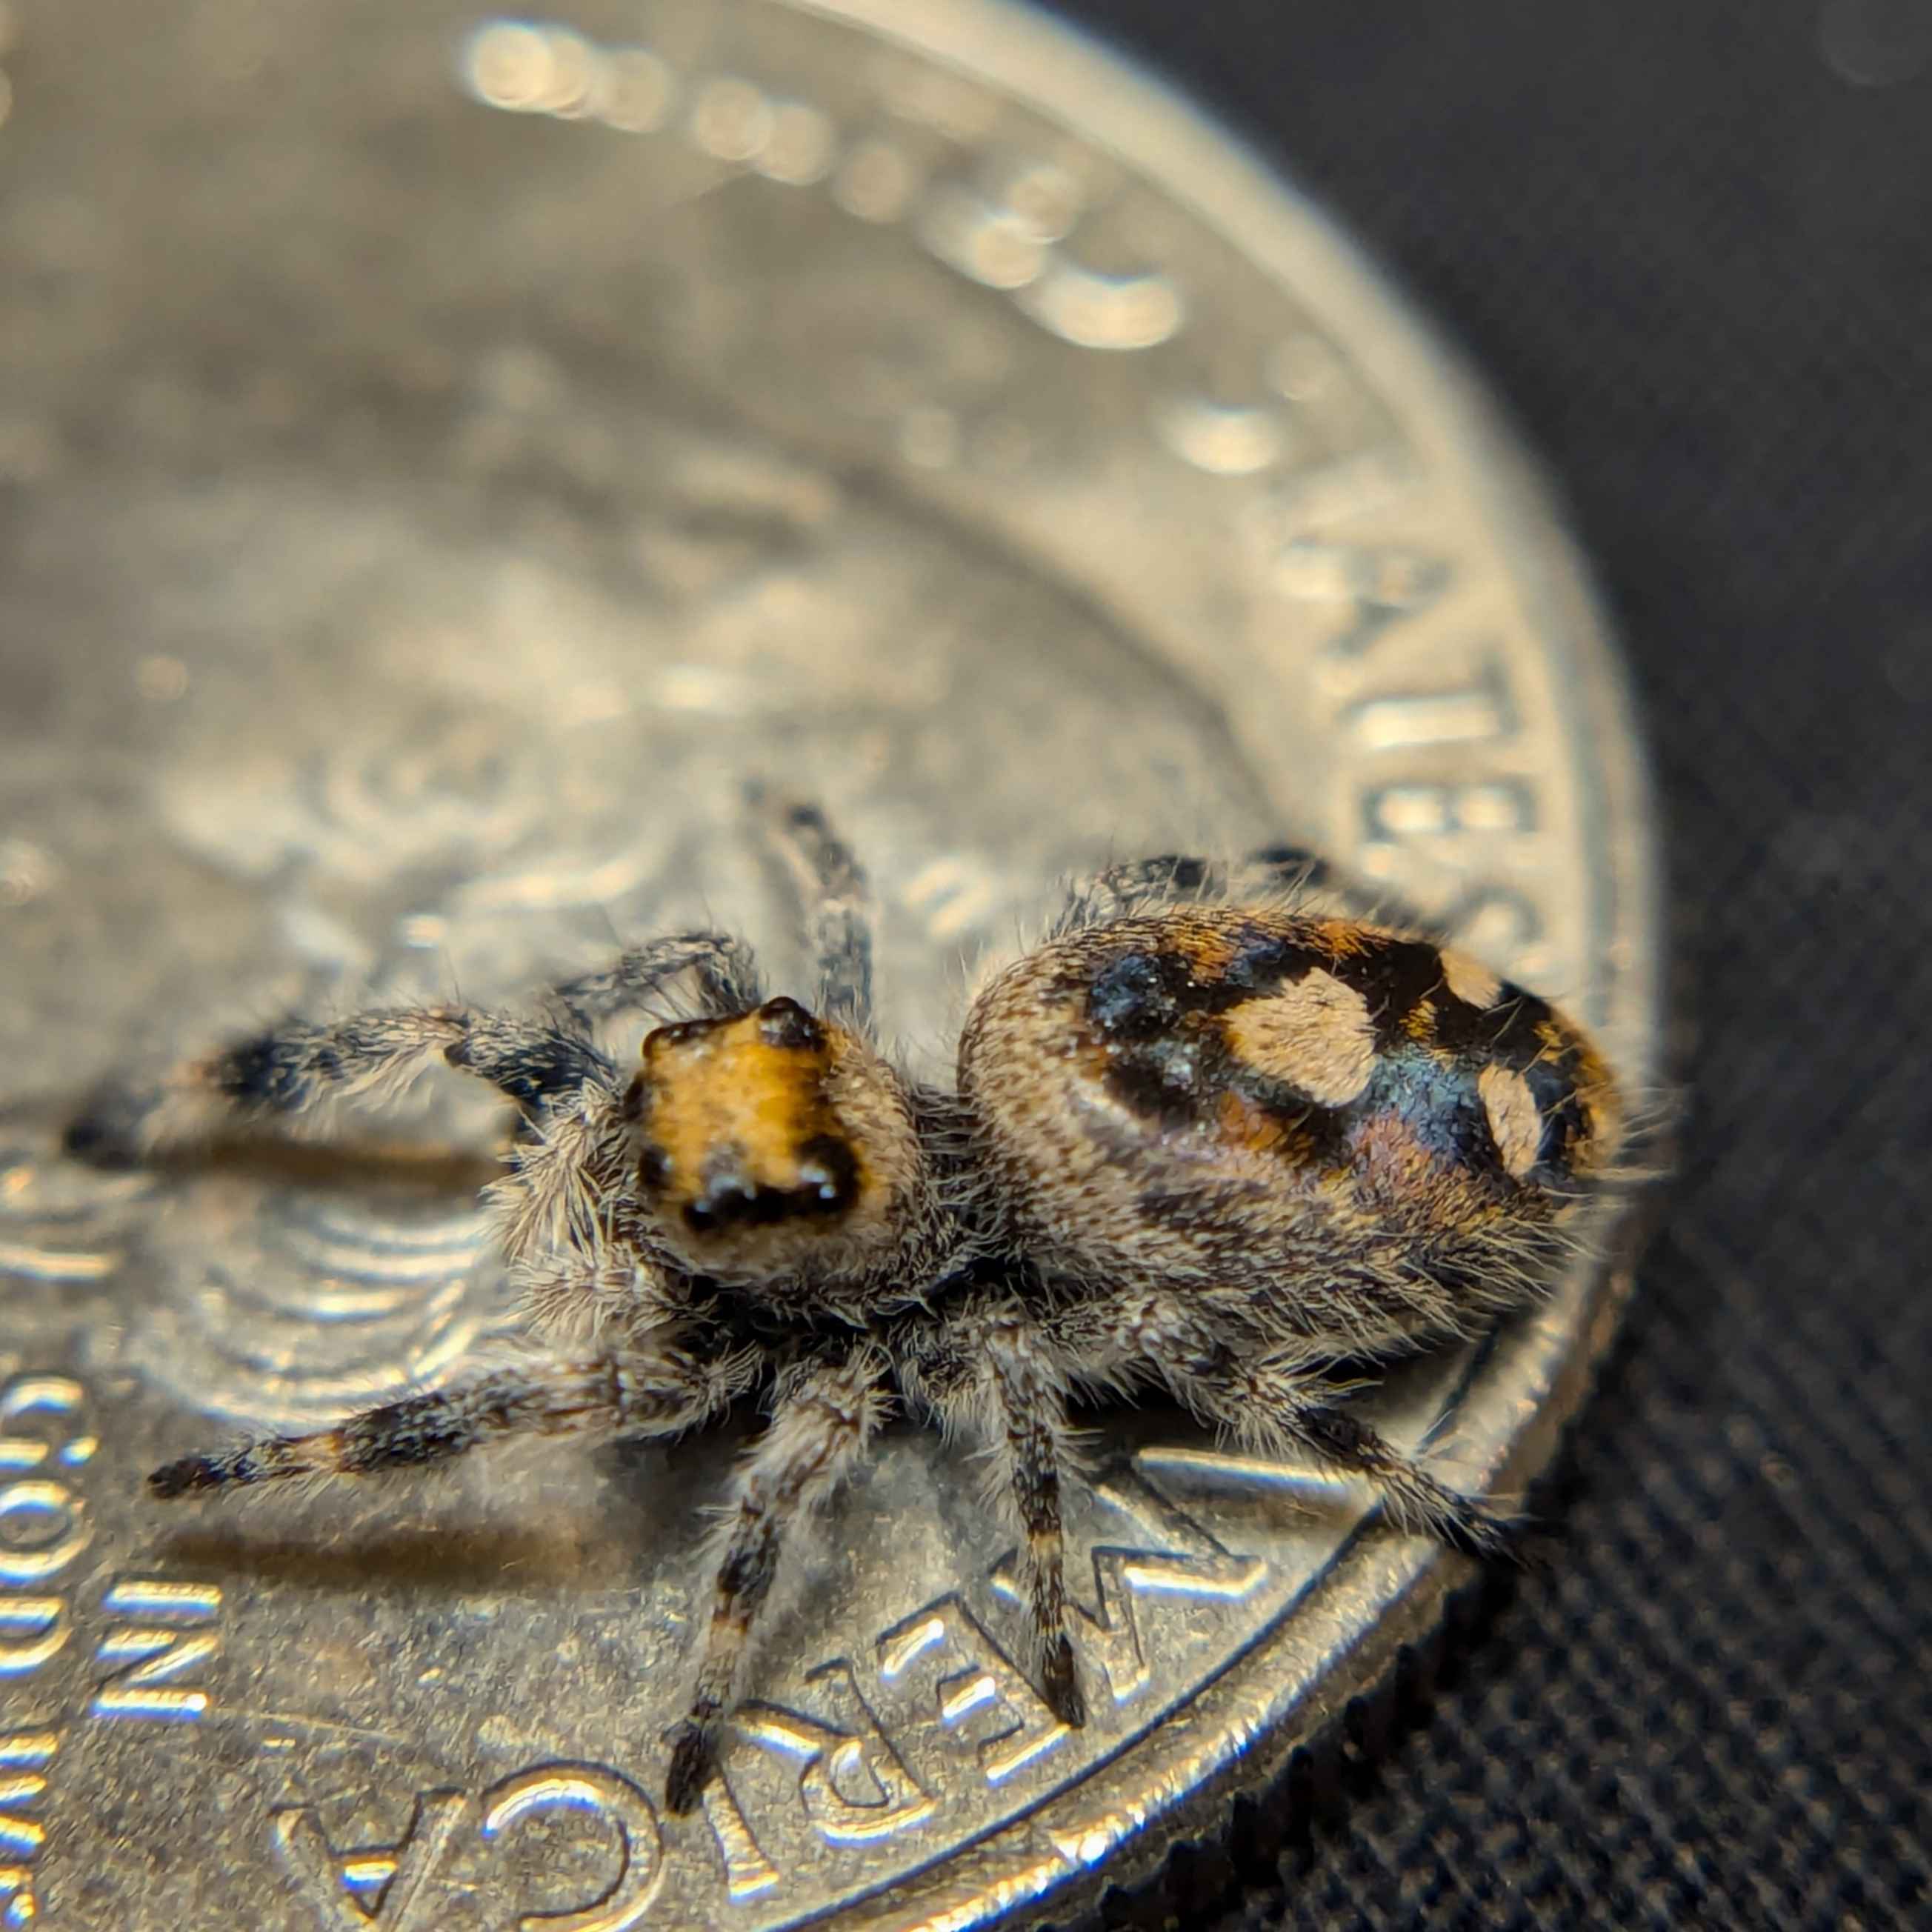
(1691, 248)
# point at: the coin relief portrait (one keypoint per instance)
(891, 491)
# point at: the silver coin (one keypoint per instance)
(443, 457)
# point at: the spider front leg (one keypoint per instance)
(1277, 1407)
(292, 1069)
(596, 1397)
(832, 902)
(823, 1418)
(725, 974)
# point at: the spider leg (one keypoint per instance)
(994, 1372)
(1148, 885)
(1279, 1409)
(1032, 1419)
(725, 973)
(292, 1068)
(833, 903)
(601, 1397)
(1285, 868)
(1137, 885)
(822, 1420)
(1305, 877)
(582, 1292)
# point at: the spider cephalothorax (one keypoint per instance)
(773, 1148)
(1212, 1135)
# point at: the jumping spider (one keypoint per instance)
(1208, 1137)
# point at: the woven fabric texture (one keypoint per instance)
(1690, 248)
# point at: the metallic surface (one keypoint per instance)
(440, 458)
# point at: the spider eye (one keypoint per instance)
(828, 1172)
(784, 1023)
(675, 1033)
(737, 1193)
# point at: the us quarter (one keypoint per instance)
(443, 457)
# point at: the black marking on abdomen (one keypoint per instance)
(1393, 980)
(1164, 1081)
(1169, 1063)
(1138, 996)
(1148, 991)
(1515, 1034)
(1553, 1088)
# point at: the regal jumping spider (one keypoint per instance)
(1206, 1137)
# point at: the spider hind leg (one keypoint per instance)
(1281, 1410)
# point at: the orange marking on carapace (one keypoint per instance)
(728, 1086)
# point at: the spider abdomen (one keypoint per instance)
(1318, 1111)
